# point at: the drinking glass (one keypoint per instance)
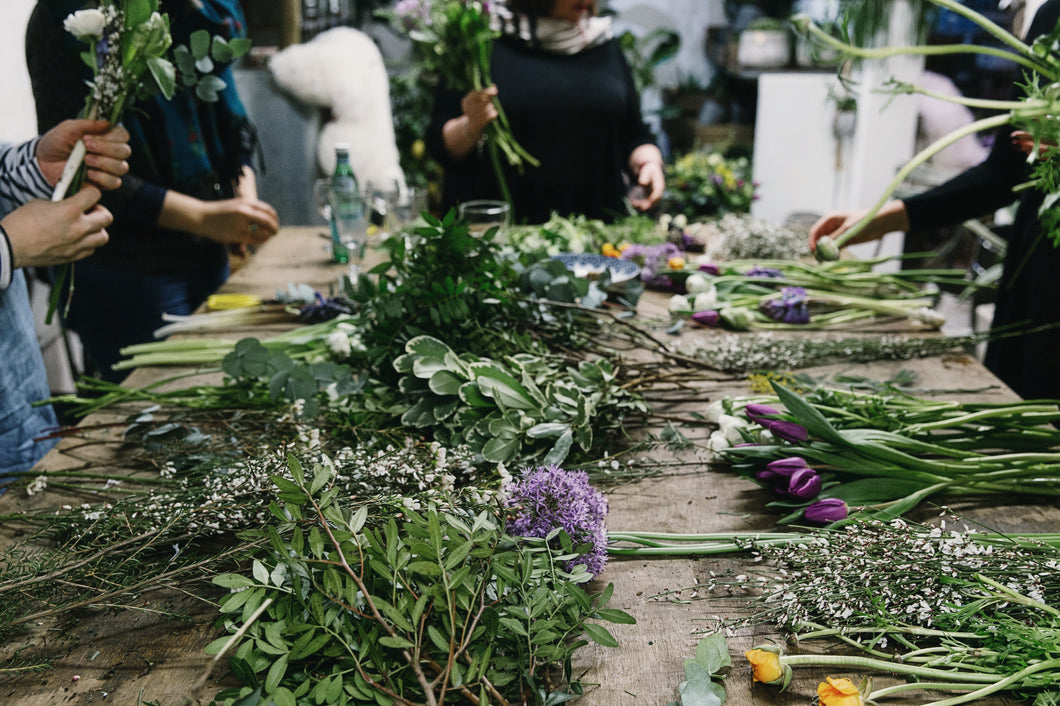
(381, 201)
(348, 237)
(483, 214)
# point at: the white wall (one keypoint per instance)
(19, 120)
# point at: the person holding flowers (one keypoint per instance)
(1029, 292)
(191, 192)
(560, 81)
(36, 233)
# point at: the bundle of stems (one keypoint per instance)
(303, 342)
(883, 455)
(1036, 112)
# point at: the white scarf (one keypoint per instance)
(551, 34)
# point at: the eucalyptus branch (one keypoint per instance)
(200, 683)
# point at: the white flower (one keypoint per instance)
(732, 428)
(717, 442)
(679, 304)
(698, 282)
(86, 25)
(339, 345)
(706, 300)
(714, 411)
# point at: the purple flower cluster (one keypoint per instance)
(790, 307)
(792, 476)
(652, 259)
(414, 14)
(543, 499)
(770, 418)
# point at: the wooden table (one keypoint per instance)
(130, 657)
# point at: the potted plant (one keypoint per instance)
(764, 44)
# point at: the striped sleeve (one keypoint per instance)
(20, 181)
(20, 176)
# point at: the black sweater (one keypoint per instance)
(1029, 292)
(578, 114)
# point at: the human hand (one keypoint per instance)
(238, 221)
(107, 149)
(479, 109)
(652, 183)
(891, 217)
(43, 233)
(1024, 142)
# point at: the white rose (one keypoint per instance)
(714, 411)
(339, 345)
(732, 428)
(679, 304)
(86, 24)
(706, 301)
(717, 442)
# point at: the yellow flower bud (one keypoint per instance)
(765, 665)
(838, 692)
(676, 263)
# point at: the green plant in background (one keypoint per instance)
(645, 54)
(410, 105)
(702, 184)
(429, 607)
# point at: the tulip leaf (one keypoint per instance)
(808, 415)
(869, 491)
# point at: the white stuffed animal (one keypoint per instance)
(342, 69)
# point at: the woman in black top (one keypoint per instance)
(1029, 291)
(569, 95)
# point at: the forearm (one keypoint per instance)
(183, 213)
(246, 186)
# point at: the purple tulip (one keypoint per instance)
(788, 431)
(790, 307)
(804, 484)
(758, 412)
(826, 510)
(787, 466)
(710, 268)
(709, 318)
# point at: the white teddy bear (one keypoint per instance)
(342, 70)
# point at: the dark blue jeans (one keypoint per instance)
(114, 307)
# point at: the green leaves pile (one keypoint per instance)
(441, 606)
(520, 410)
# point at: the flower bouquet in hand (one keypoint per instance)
(128, 46)
(455, 39)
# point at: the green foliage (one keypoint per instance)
(711, 663)
(702, 184)
(200, 58)
(645, 54)
(444, 282)
(350, 609)
(521, 408)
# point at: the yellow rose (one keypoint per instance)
(676, 263)
(838, 692)
(766, 665)
(610, 250)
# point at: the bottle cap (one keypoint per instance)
(342, 148)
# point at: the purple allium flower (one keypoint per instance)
(710, 268)
(826, 510)
(790, 307)
(546, 498)
(757, 271)
(804, 484)
(709, 318)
